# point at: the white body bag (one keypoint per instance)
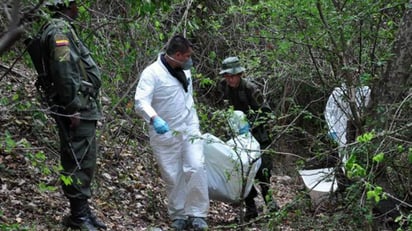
(230, 165)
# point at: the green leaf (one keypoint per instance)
(10, 143)
(67, 180)
(284, 46)
(366, 137)
(375, 194)
(46, 171)
(400, 148)
(372, 195)
(40, 156)
(378, 158)
(356, 170)
(44, 188)
(15, 97)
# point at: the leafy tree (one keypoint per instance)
(297, 51)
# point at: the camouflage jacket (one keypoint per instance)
(248, 98)
(75, 76)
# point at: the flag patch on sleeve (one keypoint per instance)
(61, 40)
(62, 49)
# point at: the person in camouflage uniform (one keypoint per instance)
(75, 80)
(245, 96)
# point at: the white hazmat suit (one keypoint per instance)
(179, 152)
(338, 112)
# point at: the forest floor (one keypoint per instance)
(136, 203)
(128, 192)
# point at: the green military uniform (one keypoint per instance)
(247, 98)
(69, 82)
(75, 80)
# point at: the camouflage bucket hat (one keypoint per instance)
(59, 4)
(231, 65)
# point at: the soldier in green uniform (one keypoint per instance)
(75, 82)
(245, 96)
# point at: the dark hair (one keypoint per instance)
(60, 5)
(178, 43)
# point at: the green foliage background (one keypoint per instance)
(297, 51)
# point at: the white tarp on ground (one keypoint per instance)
(230, 163)
(319, 182)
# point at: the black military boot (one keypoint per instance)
(79, 217)
(79, 223)
(95, 221)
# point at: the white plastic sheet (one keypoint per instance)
(319, 182)
(338, 112)
(231, 163)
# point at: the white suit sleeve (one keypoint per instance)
(191, 104)
(144, 95)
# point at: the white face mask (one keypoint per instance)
(188, 64)
(185, 65)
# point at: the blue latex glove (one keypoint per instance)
(244, 129)
(333, 135)
(160, 125)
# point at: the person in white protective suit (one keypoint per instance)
(338, 112)
(164, 97)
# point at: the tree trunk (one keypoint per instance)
(395, 84)
(391, 115)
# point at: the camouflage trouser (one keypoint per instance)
(78, 156)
